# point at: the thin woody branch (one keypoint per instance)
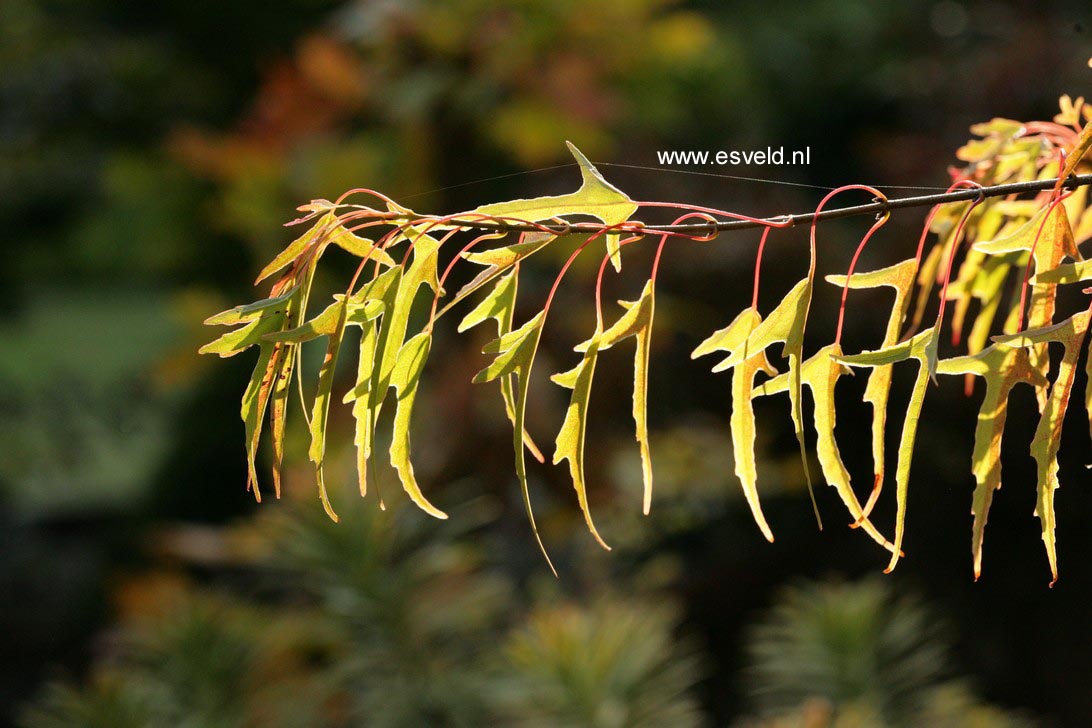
(871, 208)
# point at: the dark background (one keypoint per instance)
(150, 152)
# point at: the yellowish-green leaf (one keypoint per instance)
(298, 246)
(321, 408)
(251, 311)
(364, 433)
(1002, 368)
(596, 198)
(507, 256)
(1048, 434)
(405, 378)
(499, 260)
(250, 334)
(383, 289)
(742, 421)
(397, 297)
(637, 322)
(570, 440)
(923, 348)
(500, 305)
(820, 373)
(1055, 242)
(330, 320)
(1077, 272)
(1080, 148)
(360, 247)
(900, 277)
(785, 324)
(516, 355)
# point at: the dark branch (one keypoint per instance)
(871, 208)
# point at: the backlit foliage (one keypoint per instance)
(1014, 255)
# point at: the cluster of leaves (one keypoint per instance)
(999, 240)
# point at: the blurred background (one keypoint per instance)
(149, 156)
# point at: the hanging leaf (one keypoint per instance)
(1055, 242)
(900, 277)
(321, 408)
(570, 440)
(742, 421)
(1003, 368)
(1080, 148)
(282, 381)
(821, 373)
(1078, 272)
(499, 260)
(259, 319)
(500, 305)
(275, 305)
(327, 229)
(297, 247)
(596, 198)
(988, 288)
(382, 289)
(405, 378)
(923, 348)
(252, 333)
(515, 355)
(330, 321)
(637, 322)
(397, 304)
(360, 247)
(1048, 434)
(785, 324)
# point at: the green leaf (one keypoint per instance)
(1080, 149)
(637, 322)
(1002, 368)
(785, 324)
(327, 229)
(742, 421)
(1055, 242)
(396, 296)
(506, 256)
(1047, 440)
(570, 440)
(364, 432)
(900, 277)
(383, 289)
(923, 348)
(360, 247)
(1078, 272)
(596, 198)
(251, 311)
(821, 373)
(297, 247)
(405, 378)
(499, 260)
(255, 400)
(268, 376)
(500, 305)
(988, 287)
(244, 337)
(281, 386)
(330, 320)
(516, 355)
(321, 408)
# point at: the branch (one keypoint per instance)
(876, 207)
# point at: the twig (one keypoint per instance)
(876, 207)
